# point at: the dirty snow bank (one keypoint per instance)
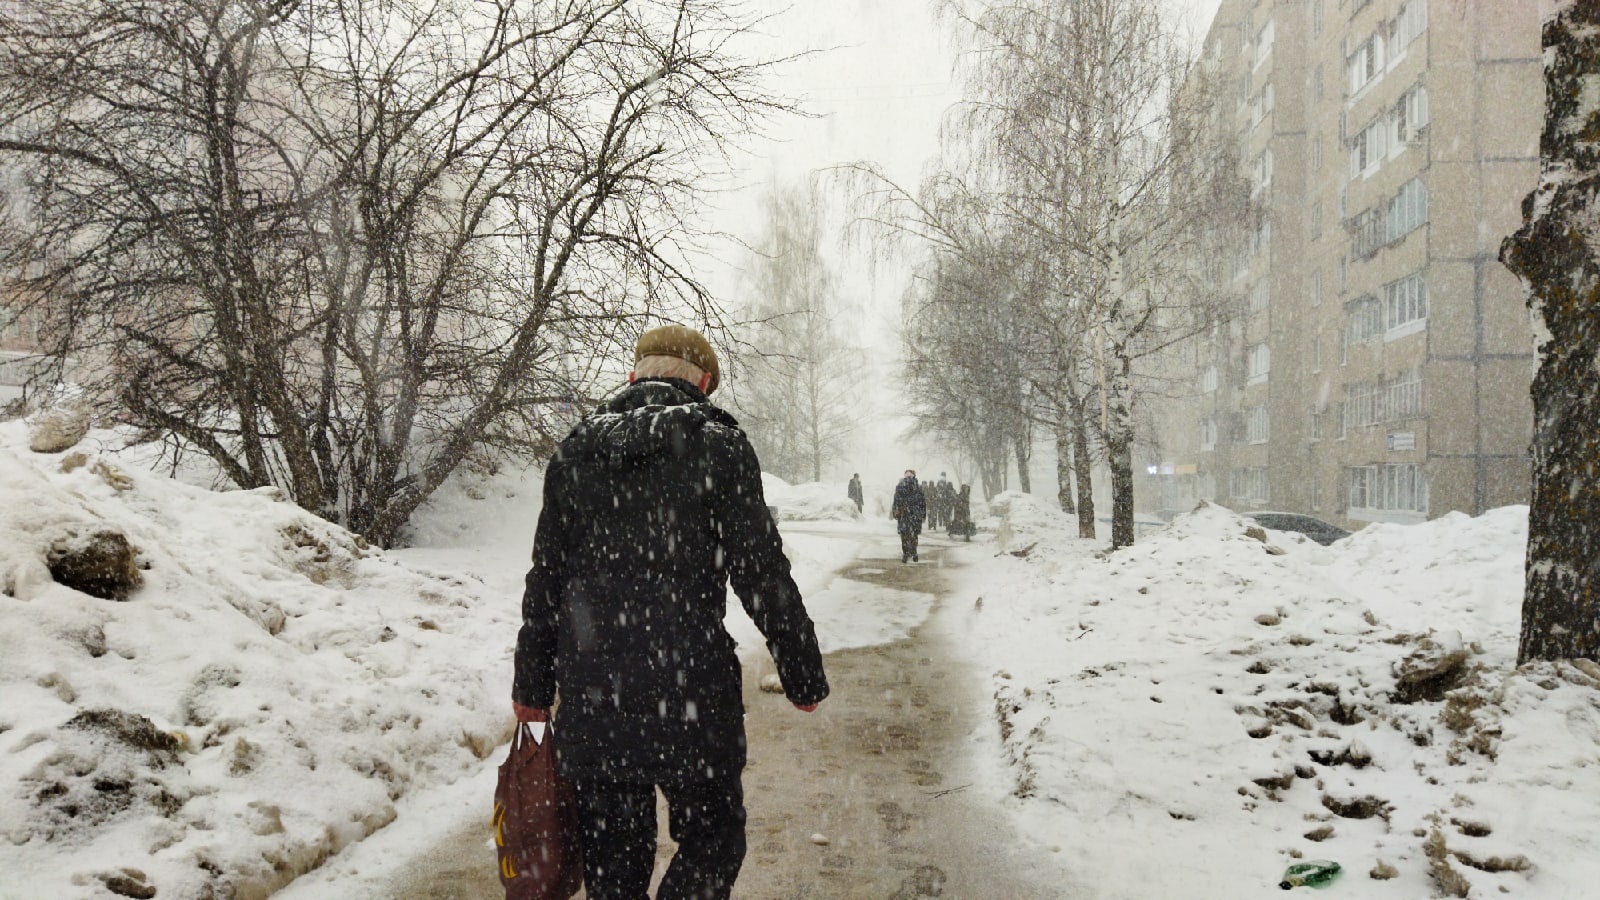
(817, 501)
(264, 698)
(1188, 716)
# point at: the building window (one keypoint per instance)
(1258, 364)
(1316, 287)
(1368, 232)
(1316, 494)
(1365, 63)
(1372, 229)
(1360, 405)
(1409, 116)
(1401, 398)
(1338, 418)
(1261, 238)
(1368, 147)
(1208, 379)
(1408, 210)
(1361, 479)
(1263, 105)
(1264, 43)
(1407, 26)
(1261, 172)
(1405, 305)
(1250, 483)
(1208, 434)
(1316, 220)
(1261, 296)
(1257, 425)
(1396, 487)
(1364, 319)
(1316, 353)
(1316, 427)
(1316, 153)
(1344, 275)
(1316, 83)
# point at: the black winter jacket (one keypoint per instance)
(910, 506)
(651, 506)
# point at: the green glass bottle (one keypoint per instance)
(1312, 873)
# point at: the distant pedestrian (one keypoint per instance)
(961, 515)
(651, 507)
(947, 500)
(909, 509)
(855, 490)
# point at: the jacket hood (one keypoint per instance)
(650, 418)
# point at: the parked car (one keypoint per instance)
(1312, 527)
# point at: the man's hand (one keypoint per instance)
(809, 707)
(529, 713)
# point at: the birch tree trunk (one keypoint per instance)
(1063, 436)
(1555, 254)
(1083, 465)
(1119, 442)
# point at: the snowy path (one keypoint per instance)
(881, 771)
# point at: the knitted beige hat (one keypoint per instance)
(684, 343)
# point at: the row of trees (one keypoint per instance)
(1063, 233)
(798, 395)
(342, 246)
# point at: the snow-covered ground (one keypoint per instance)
(1188, 716)
(1180, 719)
(261, 701)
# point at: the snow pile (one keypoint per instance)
(817, 501)
(1030, 526)
(262, 698)
(1190, 715)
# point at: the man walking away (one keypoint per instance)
(855, 490)
(651, 506)
(909, 509)
(947, 501)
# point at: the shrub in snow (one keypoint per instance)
(1436, 665)
(100, 563)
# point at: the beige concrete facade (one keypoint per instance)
(1378, 364)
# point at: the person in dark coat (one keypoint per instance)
(961, 514)
(652, 505)
(910, 507)
(854, 490)
(947, 500)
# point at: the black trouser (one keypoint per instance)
(908, 545)
(706, 818)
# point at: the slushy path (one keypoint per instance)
(865, 798)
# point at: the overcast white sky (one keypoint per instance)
(877, 84)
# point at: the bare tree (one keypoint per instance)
(1083, 113)
(338, 246)
(798, 395)
(1557, 252)
(966, 381)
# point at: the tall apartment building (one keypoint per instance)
(1377, 364)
